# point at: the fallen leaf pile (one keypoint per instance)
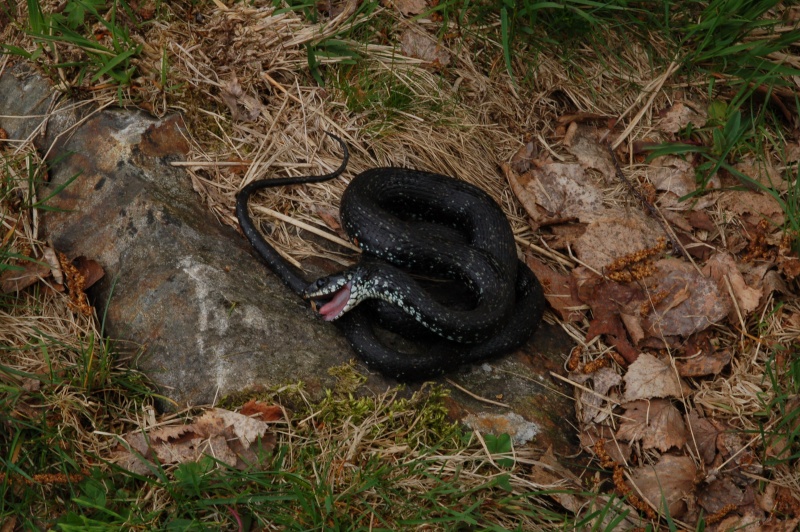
(234, 438)
(659, 301)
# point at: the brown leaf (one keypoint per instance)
(590, 152)
(90, 269)
(752, 206)
(657, 423)
(673, 174)
(417, 43)
(679, 116)
(762, 172)
(590, 405)
(703, 364)
(557, 291)
(14, 280)
(670, 481)
(687, 302)
(617, 235)
(722, 266)
(556, 192)
(618, 451)
(261, 411)
(718, 494)
(243, 107)
(606, 299)
(410, 7)
(649, 377)
(702, 436)
(522, 159)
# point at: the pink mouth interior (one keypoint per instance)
(331, 310)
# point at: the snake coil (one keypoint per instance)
(410, 223)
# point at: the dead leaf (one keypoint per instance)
(557, 291)
(20, 277)
(417, 43)
(618, 451)
(722, 266)
(590, 406)
(261, 411)
(410, 7)
(702, 364)
(685, 301)
(616, 235)
(762, 172)
(50, 256)
(669, 481)
(556, 192)
(243, 107)
(719, 493)
(679, 116)
(649, 377)
(702, 436)
(89, 269)
(657, 423)
(606, 299)
(673, 174)
(752, 206)
(522, 159)
(590, 152)
(225, 435)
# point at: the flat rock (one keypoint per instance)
(203, 314)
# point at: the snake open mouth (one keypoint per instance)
(335, 307)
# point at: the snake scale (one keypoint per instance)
(411, 224)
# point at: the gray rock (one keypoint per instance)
(209, 317)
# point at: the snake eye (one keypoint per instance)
(319, 283)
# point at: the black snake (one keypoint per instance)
(427, 224)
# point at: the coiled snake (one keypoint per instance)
(410, 223)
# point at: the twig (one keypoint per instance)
(476, 397)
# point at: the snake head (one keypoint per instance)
(341, 292)
(333, 293)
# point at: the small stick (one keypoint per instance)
(476, 397)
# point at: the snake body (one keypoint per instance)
(407, 223)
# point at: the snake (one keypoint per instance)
(411, 224)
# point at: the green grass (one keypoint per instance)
(87, 43)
